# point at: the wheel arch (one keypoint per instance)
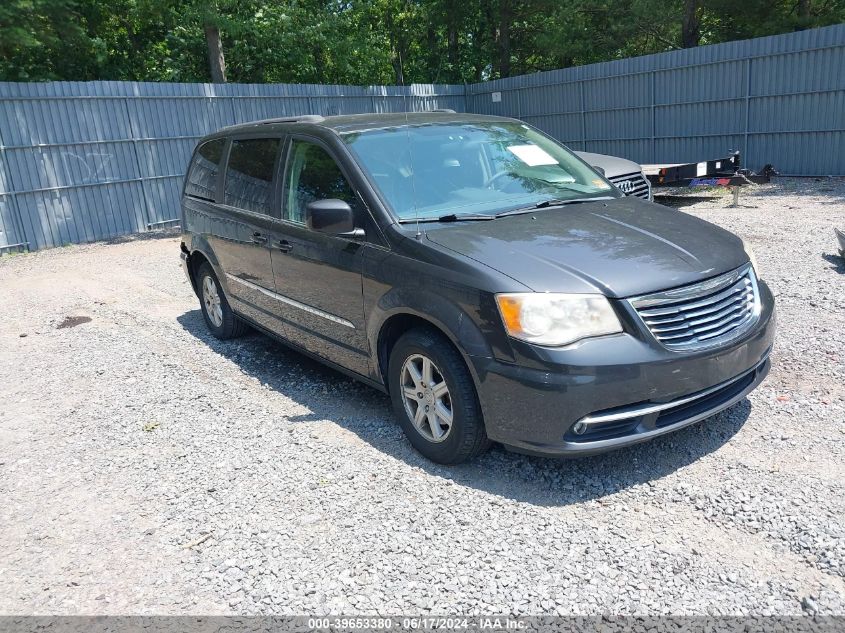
(447, 319)
(199, 253)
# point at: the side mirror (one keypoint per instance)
(600, 170)
(329, 216)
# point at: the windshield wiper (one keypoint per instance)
(449, 217)
(545, 204)
(469, 217)
(453, 217)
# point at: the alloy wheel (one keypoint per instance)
(426, 398)
(211, 299)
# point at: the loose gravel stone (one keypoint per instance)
(146, 467)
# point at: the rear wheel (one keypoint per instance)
(221, 321)
(434, 398)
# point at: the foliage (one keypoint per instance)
(366, 41)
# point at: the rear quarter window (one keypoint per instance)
(249, 175)
(201, 181)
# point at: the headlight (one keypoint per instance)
(750, 252)
(556, 319)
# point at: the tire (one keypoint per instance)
(218, 315)
(464, 437)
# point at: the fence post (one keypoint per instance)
(653, 158)
(148, 213)
(232, 108)
(583, 117)
(747, 110)
(17, 218)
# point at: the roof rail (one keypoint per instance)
(300, 118)
(446, 110)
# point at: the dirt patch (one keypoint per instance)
(73, 321)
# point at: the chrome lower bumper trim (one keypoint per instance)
(588, 447)
(640, 410)
(637, 411)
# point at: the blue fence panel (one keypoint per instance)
(84, 161)
(773, 98)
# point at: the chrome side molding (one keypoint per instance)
(292, 302)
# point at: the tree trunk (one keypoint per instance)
(804, 9)
(690, 33)
(493, 25)
(397, 60)
(505, 18)
(216, 62)
(452, 38)
(804, 15)
(397, 67)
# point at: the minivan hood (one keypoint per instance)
(621, 247)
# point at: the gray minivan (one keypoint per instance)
(488, 279)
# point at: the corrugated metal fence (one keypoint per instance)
(86, 161)
(82, 161)
(778, 99)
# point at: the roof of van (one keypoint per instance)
(359, 122)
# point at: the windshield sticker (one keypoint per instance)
(532, 155)
(600, 184)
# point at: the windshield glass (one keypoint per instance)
(432, 170)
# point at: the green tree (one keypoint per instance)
(366, 41)
(45, 39)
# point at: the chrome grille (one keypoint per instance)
(705, 314)
(632, 185)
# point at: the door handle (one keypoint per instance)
(283, 245)
(258, 238)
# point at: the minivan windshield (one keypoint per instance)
(434, 170)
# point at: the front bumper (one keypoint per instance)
(618, 390)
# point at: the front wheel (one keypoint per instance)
(434, 398)
(219, 317)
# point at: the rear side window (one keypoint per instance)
(249, 175)
(202, 175)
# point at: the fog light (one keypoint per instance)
(580, 428)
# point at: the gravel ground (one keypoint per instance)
(148, 468)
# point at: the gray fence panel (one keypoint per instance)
(160, 194)
(774, 98)
(82, 161)
(59, 166)
(31, 121)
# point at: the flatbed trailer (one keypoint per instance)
(721, 172)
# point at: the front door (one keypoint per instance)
(318, 277)
(242, 237)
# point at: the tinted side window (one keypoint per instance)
(313, 175)
(202, 175)
(249, 175)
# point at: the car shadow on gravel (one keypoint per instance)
(331, 396)
(817, 187)
(156, 234)
(837, 262)
(677, 201)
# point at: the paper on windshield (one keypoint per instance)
(532, 155)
